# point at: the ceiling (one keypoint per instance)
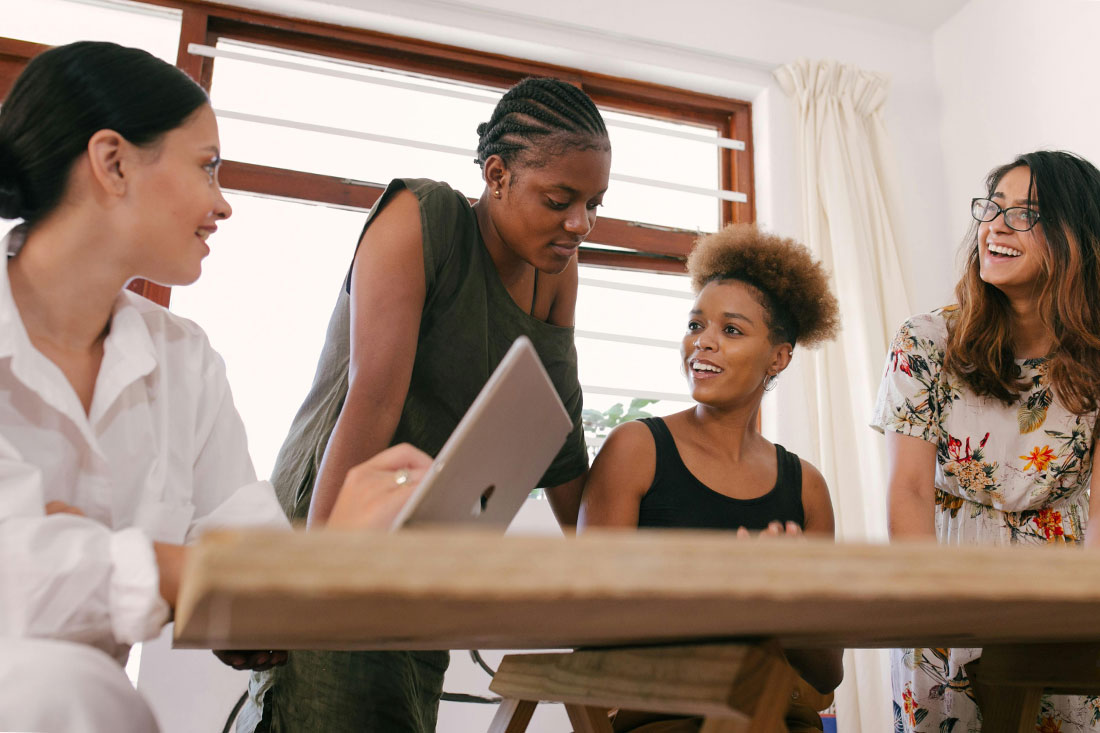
(919, 15)
(923, 15)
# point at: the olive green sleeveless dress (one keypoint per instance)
(468, 323)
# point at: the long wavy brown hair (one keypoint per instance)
(980, 345)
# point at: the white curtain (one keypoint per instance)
(849, 215)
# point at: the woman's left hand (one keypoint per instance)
(374, 491)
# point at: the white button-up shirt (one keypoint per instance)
(160, 456)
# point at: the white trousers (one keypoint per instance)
(49, 686)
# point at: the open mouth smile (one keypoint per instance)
(704, 369)
(1000, 249)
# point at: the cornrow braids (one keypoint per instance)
(549, 115)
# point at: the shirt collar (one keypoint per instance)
(128, 353)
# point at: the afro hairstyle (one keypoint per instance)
(792, 287)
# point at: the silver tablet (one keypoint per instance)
(499, 450)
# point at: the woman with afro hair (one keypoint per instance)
(708, 467)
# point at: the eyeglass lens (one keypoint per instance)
(1019, 218)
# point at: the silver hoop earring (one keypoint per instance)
(770, 381)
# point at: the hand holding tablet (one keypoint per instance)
(497, 453)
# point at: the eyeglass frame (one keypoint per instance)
(1003, 212)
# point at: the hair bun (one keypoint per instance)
(11, 192)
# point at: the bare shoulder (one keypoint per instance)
(391, 238)
(621, 475)
(401, 210)
(816, 503)
(811, 477)
(630, 436)
(630, 452)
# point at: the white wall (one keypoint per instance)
(1015, 76)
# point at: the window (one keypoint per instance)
(316, 119)
(628, 329)
(55, 22)
(269, 323)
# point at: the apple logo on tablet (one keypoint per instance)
(483, 501)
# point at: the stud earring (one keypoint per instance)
(497, 193)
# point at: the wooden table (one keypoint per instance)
(463, 590)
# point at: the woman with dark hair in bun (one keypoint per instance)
(708, 467)
(437, 292)
(119, 441)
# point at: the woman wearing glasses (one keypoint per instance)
(989, 408)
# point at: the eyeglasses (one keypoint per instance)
(1019, 218)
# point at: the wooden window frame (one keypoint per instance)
(650, 247)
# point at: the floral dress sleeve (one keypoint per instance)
(911, 398)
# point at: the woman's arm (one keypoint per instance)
(911, 487)
(565, 501)
(817, 507)
(621, 475)
(369, 498)
(387, 298)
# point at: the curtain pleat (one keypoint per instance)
(847, 181)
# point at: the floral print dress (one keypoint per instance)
(1005, 474)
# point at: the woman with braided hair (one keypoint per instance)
(437, 292)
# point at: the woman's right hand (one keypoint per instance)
(774, 529)
(374, 491)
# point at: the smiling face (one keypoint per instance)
(727, 350)
(544, 212)
(175, 201)
(1009, 260)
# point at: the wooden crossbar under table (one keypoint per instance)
(735, 687)
(447, 589)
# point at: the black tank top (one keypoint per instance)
(677, 499)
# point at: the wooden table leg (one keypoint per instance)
(587, 719)
(513, 716)
(1009, 680)
(1008, 709)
